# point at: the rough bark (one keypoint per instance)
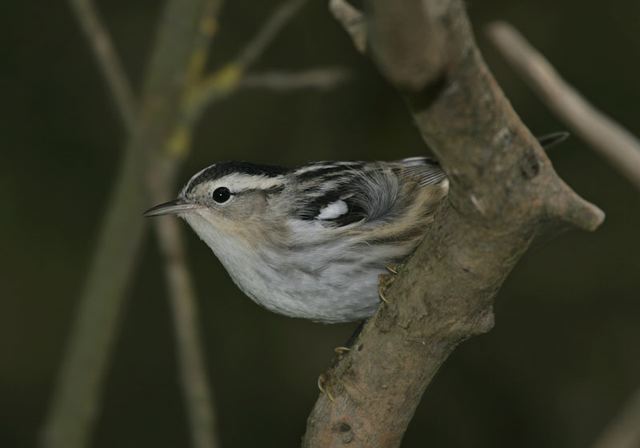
(503, 192)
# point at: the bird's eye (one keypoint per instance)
(221, 195)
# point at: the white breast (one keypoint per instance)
(307, 284)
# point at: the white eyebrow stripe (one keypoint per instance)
(333, 210)
(238, 182)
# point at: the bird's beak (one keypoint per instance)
(171, 208)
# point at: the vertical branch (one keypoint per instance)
(159, 141)
(107, 58)
(75, 402)
(191, 361)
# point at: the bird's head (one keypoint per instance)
(226, 197)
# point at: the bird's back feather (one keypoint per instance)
(343, 193)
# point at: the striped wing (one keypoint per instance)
(342, 193)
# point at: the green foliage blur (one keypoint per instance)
(561, 361)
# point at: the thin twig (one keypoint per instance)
(198, 395)
(107, 57)
(352, 21)
(156, 148)
(76, 398)
(190, 354)
(321, 78)
(227, 79)
(606, 136)
(191, 360)
(268, 32)
(624, 430)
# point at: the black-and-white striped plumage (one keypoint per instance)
(311, 242)
(342, 193)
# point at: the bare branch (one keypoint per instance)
(402, 23)
(268, 32)
(157, 145)
(321, 78)
(227, 79)
(352, 21)
(75, 402)
(191, 361)
(624, 430)
(107, 57)
(502, 191)
(606, 136)
(396, 29)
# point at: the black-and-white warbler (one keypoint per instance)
(311, 242)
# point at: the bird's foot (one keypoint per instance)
(384, 281)
(322, 385)
(393, 268)
(381, 294)
(341, 350)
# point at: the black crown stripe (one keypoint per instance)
(225, 168)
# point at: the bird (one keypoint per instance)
(313, 241)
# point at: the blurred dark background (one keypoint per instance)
(561, 361)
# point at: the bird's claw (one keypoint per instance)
(384, 280)
(322, 379)
(341, 350)
(381, 294)
(393, 268)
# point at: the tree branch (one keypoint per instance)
(107, 58)
(75, 402)
(268, 32)
(607, 137)
(227, 79)
(191, 361)
(396, 29)
(502, 190)
(624, 430)
(321, 78)
(352, 21)
(158, 143)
